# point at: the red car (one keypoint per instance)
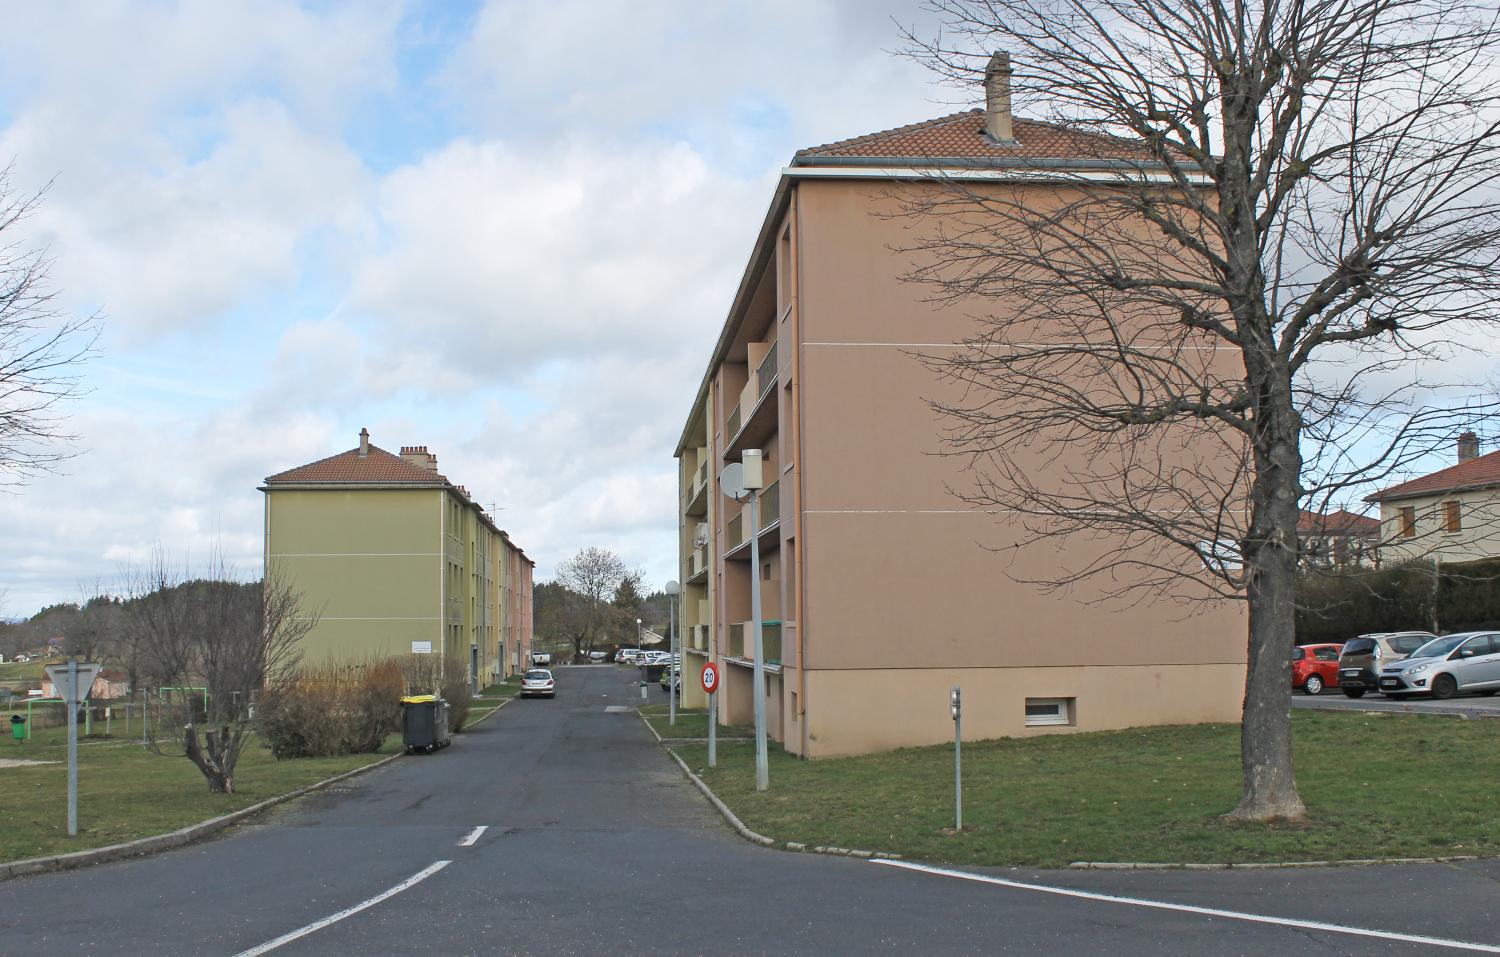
(1315, 667)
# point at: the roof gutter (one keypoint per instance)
(986, 162)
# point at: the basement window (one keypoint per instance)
(1048, 711)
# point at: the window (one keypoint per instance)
(1408, 521)
(1046, 711)
(1452, 520)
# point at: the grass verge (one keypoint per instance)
(691, 723)
(504, 689)
(126, 792)
(1376, 785)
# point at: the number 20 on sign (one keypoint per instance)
(710, 678)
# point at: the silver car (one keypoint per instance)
(538, 683)
(1467, 661)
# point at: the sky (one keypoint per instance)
(508, 231)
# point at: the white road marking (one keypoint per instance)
(473, 836)
(1192, 909)
(318, 925)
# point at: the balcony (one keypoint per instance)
(770, 505)
(732, 427)
(735, 532)
(737, 546)
(765, 375)
(770, 642)
(697, 565)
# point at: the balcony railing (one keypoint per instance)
(737, 640)
(770, 504)
(770, 641)
(765, 374)
(736, 531)
(702, 474)
(733, 427)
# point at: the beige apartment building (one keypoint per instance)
(394, 559)
(880, 589)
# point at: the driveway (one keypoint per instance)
(558, 827)
(1467, 706)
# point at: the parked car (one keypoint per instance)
(538, 683)
(657, 657)
(1363, 657)
(629, 655)
(541, 658)
(1315, 667)
(1466, 661)
(598, 657)
(671, 677)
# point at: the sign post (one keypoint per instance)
(955, 706)
(72, 683)
(711, 688)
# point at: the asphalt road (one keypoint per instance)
(593, 843)
(1463, 705)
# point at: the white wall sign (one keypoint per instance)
(421, 647)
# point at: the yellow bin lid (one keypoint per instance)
(418, 698)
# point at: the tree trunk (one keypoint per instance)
(1270, 551)
(217, 760)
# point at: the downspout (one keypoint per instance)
(794, 257)
(442, 580)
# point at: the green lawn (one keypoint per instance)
(691, 723)
(126, 792)
(24, 671)
(505, 689)
(1376, 785)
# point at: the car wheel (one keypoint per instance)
(1314, 685)
(1354, 692)
(1444, 686)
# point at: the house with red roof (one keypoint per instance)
(1451, 515)
(392, 558)
(1338, 539)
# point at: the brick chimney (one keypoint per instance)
(1468, 446)
(419, 456)
(997, 121)
(364, 443)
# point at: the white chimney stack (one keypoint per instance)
(364, 443)
(997, 121)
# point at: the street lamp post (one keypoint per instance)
(640, 657)
(672, 672)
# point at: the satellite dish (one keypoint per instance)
(732, 481)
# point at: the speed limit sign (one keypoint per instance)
(710, 678)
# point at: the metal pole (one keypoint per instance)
(958, 771)
(672, 665)
(761, 771)
(641, 657)
(713, 728)
(72, 710)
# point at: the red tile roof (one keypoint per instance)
(961, 135)
(379, 466)
(1336, 522)
(1480, 472)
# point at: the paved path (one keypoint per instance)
(1468, 706)
(593, 843)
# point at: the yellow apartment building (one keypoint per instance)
(880, 589)
(394, 559)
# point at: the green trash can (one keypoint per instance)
(18, 728)
(424, 723)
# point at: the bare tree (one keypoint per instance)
(40, 350)
(594, 576)
(1236, 310)
(231, 638)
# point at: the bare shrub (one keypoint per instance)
(448, 678)
(332, 708)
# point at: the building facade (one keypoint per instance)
(393, 559)
(1451, 515)
(880, 590)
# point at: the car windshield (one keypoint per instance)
(1438, 647)
(1359, 646)
(538, 675)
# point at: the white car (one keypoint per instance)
(538, 683)
(598, 657)
(541, 658)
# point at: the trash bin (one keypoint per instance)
(18, 727)
(424, 723)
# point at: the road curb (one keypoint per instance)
(489, 712)
(165, 842)
(1263, 865)
(739, 826)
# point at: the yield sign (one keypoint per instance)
(87, 672)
